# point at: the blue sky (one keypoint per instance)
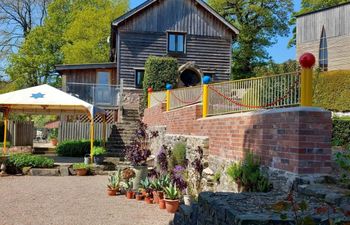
(279, 52)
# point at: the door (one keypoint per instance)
(103, 90)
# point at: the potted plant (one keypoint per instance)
(81, 168)
(138, 151)
(149, 196)
(128, 188)
(98, 153)
(53, 136)
(113, 183)
(139, 196)
(171, 198)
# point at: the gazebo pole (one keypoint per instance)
(6, 114)
(91, 138)
(104, 130)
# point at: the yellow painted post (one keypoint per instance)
(91, 138)
(6, 114)
(167, 100)
(150, 90)
(307, 61)
(104, 130)
(205, 101)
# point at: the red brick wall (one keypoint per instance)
(294, 139)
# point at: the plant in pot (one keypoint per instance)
(98, 153)
(128, 188)
(157, 190)
(139, 195)
(138, 151)
(128, 175)
(114, 183)
(171, 198)
(149, 196)
(53, 136)
(144, 185)
(81, 168)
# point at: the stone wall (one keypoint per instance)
(132, 98)
(297, 139)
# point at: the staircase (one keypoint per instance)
(122, 133)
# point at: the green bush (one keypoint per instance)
(178, 155)
(98, 151)
(341, 131)
(248, 175)
(158, 72)
(26, 160)
(75, 148)
(331, 90)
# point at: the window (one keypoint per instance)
(103, 77)
(139, 78)
(323, 53)
(176, 43)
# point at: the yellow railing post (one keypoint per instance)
(91, 138)
(6, 114)
(149, 90)
(307, 61)
(168, 87)
(205, 98)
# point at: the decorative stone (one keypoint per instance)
(64, 170)
(44, 172)
(208, 171)
(26, 170)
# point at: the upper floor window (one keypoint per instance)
(176, 43)
(139, 78)
(323, 52)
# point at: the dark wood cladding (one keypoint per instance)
(177, 15)
(210, 54)
(87, 76)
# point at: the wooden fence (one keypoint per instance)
(20, 133)
(79, 130)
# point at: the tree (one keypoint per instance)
(88, 33)
(272, 68)
(17, 19)
(260, 22)
(309, 6)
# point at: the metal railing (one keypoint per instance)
(281, 90)
(185, 96)
(96, 94)
(157, 97)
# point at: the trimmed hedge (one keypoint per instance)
(75, 148)
(158, 72)
(341, 131)
(331, 90)
(26, 160)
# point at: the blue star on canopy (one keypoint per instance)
(37, 95)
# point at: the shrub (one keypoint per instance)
(331, 90)
(26, 160)
(75, 148)
(248, 175)
(96, 151)
(341, 131)
(178, 155)
(158, 72)
(79, 166)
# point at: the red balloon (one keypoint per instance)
(307, 60)
(150, 89)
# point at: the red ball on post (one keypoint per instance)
(307, 60)
(150, 90)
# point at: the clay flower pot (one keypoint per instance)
(161, 203)
(129, 194)
(155, 197)
(112, 192)
(54, 141)
(160, 194)
(139, 197)
(81, 172)
(172, 205)
(148, 200)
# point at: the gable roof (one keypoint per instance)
(321, 10)
(148, 3)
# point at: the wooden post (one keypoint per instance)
(104, 130)
(307, 61)
(6, 114)
(168, 87)
(205, 101)
(149, 90)
(91, 138)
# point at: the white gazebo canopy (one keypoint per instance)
(45, 99)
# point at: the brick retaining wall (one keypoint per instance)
(292, 139)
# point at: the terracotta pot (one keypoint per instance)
(112, 192)
(148, 200)
(144, 193)
(54, 141)
(155, 197)
(160, 194)
(172, 205)
(129, 194)
(139, 197)
(81, 172)
(161, 203)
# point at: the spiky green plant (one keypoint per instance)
(171, 192)
(114, 180)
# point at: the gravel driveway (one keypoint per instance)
(26, 200)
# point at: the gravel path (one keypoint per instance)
(26, 200)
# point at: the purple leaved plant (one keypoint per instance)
(162, 159)
(177, 177)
